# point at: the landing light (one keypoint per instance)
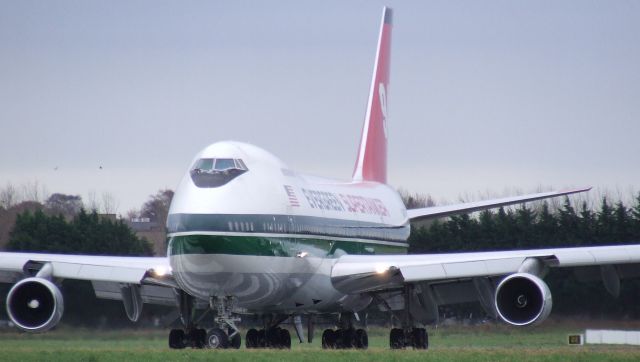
(302, 254)
(160, 271)
(382, 268)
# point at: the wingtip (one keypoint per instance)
(577, 190)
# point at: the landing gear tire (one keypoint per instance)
(278, 338)
(338, 338)
(272, 336)
(199, 338)
(396, 338)
(262, 339)
(346, 338)
(235, 341)
(217, 339)
(285, 339)
(329, 339)
(176, 339)
(251, 340)
(420, 338)
(361, 339)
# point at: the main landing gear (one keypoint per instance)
(346, 336)
(215, 338)
(408, 336)
(400, 338)
(271, 336)
(227, 335)
(274, 337)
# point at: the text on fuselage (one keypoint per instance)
(325, 200)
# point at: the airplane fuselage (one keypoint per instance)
(243, 224)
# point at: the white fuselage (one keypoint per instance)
(269, 236)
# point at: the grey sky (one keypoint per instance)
(485, 96)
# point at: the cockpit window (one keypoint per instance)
(224, 164)
(215, 172)
(204, 164)
(240, 164)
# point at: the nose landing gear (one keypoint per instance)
(216, 338)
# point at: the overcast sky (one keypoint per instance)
(485, 96)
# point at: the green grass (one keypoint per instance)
(481, 343)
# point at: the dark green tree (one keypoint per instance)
(525, 227)
(487, 230)
(635, 219)
(568, 223)
(587, 225)
(622, 224)
(546, 229)
(605, 224)
(88, 234)
(505, 227)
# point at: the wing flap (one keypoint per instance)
(417, 273)
(151, 294)
(574, 257)
(98, 272)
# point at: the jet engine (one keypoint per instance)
(522, 299)
(35, 304)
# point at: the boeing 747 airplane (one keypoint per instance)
(248, 236)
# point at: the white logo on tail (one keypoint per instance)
(383, 106)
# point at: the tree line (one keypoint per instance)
(527, 228)
(86, 233)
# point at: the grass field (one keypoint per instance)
(481, 343)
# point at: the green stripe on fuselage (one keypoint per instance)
(275, 246)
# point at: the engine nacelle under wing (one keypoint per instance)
(35, 304)
(522, 299)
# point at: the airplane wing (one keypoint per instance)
(448, 210)
(134, 280)
(117, 269)
(481, 276)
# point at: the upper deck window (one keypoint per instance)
(214, 172)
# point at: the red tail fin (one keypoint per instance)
(371, 164)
